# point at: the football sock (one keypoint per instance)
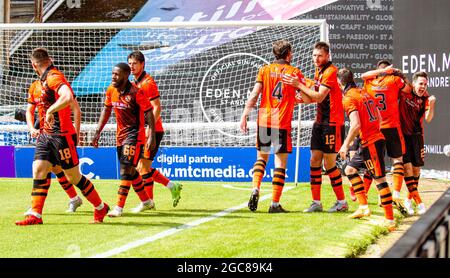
(258, 173)
(138, 187)
(148, 184)
(88, 191)
(397, 176)
(386, 200)
(278, 184)
(316, 182)
(39, 194)
(66, 185)
(358, 188)
(336, 182)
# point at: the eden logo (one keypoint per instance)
(73, 4)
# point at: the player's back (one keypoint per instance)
(385, 89)
(356, 99)
(278, 100)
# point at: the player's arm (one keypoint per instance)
(156, 103)
(371, 74)
(104, 117)
(308, 95)
(355, 126)
(150, 121)
(65, 98)
(429, 114)
(29, 115)
(249, 105)
(75, 107)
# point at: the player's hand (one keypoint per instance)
(49, 118)
(298, 98)
(94, 141)
(34, 132)
(243, 125)
(431, 99)
(291, 80)
(343, 152)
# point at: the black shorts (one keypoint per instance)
(130, 152)
(281, 140)
(150, 155)
(373, 156)
(415, 150)
(357, 161)
(326, 138)
(57, 149)
(395, 144)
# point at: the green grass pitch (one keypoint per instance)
(239, 234)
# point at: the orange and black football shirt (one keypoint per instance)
(358, 100)
(277, 100)
(412, 111)
(148, 85)
(385, 89)
(44, 93)
(129, 107)
(330, 110)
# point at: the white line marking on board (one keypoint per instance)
(175, 230)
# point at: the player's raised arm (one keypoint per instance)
(429, 114)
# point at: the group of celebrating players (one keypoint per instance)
(385, 115)
(139, 132)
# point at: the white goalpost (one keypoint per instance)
(204, 72)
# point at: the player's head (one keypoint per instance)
(420, 82)
(383, 63)
(120, 74)
(136, 61)
(40, 60)
(321, 54)
(282, 49)
(345, 78)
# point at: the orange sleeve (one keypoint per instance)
(108, 101)
(151, 90)
(399, 82)
(329, 78)
(31, 90)
(143, 101)
(55, 81)
(259, 77)
(349, 104)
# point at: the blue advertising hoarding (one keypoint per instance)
(184, 164)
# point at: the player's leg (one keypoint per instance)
(421, 209)
(143, 168)
(68, 159)
(351, 171)
(43, 161)
(75, 200)
(282, 143)
(410, 185)
(395, 150)
(373, 156)
(263, 143)
(333, 142)
(315, 163)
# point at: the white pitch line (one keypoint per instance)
(175, 230)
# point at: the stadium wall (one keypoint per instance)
(422, 43)
(177, 163)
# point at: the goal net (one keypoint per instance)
(204, 72)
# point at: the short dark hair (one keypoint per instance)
(124, 67)
(40, 55)
(383, 62)
(322, 45)
(345, 76)
(420, 74)
(137, 55)
(281, 49)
